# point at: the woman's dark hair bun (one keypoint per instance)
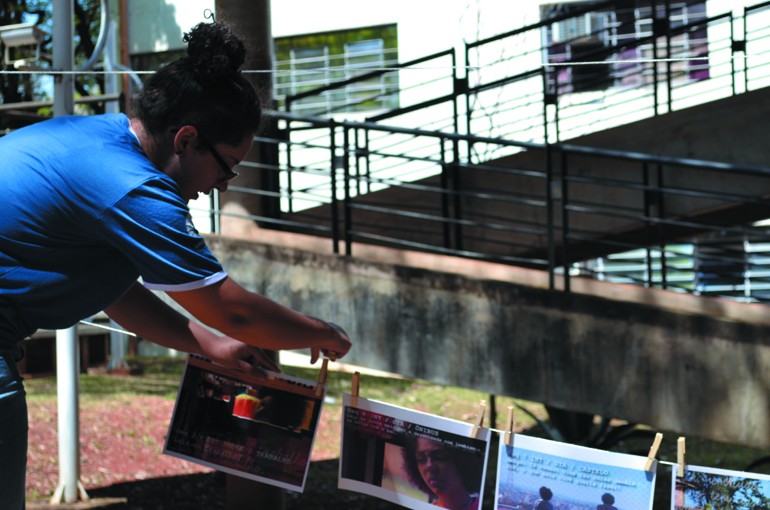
(214, 51)
(205, 88)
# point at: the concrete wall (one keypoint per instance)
(678, 363)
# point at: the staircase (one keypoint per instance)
(621, 156)
(657, 180)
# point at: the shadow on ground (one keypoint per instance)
(207, 491)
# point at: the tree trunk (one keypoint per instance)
(251, 22)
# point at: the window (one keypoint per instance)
(693, 43)
(610, 35)
(308, 62)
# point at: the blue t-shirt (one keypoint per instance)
(83, 214)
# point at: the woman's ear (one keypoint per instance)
(184, 136)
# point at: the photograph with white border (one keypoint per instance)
(703, 487)
(411, 458)
(256, 427)
(540, 474)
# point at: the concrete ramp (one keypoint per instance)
(578, 203)
(679, 363)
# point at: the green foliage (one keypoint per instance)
(15, 87)
(725, 492)
(160, 377)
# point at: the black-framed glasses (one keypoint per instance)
(230, 174)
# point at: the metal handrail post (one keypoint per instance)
(289, 190)
(745, 52)
(456, 202)
(333, 178)
(669, 74)
(459, 87)
(733, 51)
(444, 183)
(367, 159)
(550, 97)
(347, 209)
(564, 221)
(468, 101)
(647, 212)
(661, 215)
(357, 164)
(544, 76)
(655, 79)
(549, 217)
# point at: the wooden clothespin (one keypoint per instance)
(479, 418)
(354, 384)
(653, 452)
(509, 432)
(319, 389)
(680, 450)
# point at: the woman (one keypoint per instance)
(449, 478)
(92, 204)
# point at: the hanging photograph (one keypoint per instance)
(414, 459)
(702, 487)
(261, 428)
(539, 474)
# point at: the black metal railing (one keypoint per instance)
(512, 86)
(557, 209)
(454, 194)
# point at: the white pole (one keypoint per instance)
(67, 348)
(67, 369)
(63, 57)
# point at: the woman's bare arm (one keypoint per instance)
(142, 312)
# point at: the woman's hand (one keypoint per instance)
(336, 347)
(231, 353)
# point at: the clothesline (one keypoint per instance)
(392, 69)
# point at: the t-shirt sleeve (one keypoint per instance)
(152, 227)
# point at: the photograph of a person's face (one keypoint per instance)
(414, 459)
(540, 474)
(703, 487)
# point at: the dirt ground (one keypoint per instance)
(121, 457)
(122, 441)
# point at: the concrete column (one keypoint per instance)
(251, 22)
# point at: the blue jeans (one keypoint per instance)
(13, 436)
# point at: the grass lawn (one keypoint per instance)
(160, 378)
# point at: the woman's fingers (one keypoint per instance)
(314, 355)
